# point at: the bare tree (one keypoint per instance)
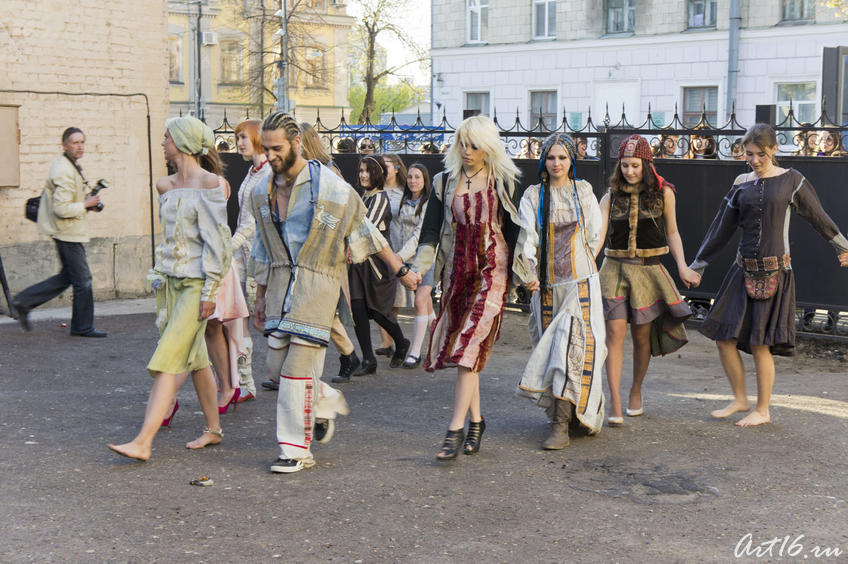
(378, 17)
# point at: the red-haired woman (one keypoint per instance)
(640, 221)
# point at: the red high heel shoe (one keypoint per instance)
(233, 401)
(167, 422)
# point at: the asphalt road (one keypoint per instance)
(671, 486)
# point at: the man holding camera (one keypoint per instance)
(62, 216)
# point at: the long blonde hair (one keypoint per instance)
(481, 132)
(312, 146)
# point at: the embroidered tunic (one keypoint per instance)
(760, 209)
(566, 317)
(195, 238)
(302, 276)
(246, 225)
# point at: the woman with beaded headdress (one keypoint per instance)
(191, 260)
(559, 240)
(640, 224)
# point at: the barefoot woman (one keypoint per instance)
(193, 254)
(754, 310)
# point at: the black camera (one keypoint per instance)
(102, 184)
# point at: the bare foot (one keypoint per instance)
(754, 418)
(206, 439)
(734, 406)
(132, 450)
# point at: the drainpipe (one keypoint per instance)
(733, 54)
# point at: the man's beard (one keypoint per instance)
(286, 164)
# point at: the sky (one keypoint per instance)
(415, 22)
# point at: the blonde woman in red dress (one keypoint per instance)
(472, 217)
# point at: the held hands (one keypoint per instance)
(410, 280)
(689, 277)
(843, 259)
(206, 309)
(259, 314)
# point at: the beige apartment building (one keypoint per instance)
(53, 53)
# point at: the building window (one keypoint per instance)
(797, 10)
(544, 19)
(543, 104)
(175, 58)
(702, 13)
(697, 101)
(621, 16)
(478, 20)
(231, 67)
(477, 101)
(315, 68)
(801, 97)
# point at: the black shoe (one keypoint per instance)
(324, 429)
(384, 351)
(347, 366)
(94, 333)
(400, 354)
(412, 364)
(450, 448)
(22, 315)
(367, 367)
(474, 437)
(289, 465)
(271, 385)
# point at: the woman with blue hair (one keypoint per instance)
(559, 240)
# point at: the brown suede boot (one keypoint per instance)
(558, 439)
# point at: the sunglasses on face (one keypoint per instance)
(366, 146)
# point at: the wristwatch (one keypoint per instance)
(402, 271)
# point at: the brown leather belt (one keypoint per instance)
(765, 264)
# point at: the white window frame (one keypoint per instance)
(488, 93)
(804, 5)
(531, 123)
(709, 6)
(796, 103)
(178, 40)
(549, 31)
(701, 84)
(477, 10)
(630, 6)
(238, 43)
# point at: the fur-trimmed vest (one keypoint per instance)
(636, 225)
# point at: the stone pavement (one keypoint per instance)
(671, 486)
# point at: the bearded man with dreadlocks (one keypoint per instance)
(308, 220)
(639, 209)
(559, 240)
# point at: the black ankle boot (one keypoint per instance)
(347, 366)
(368, 366)
(450, 448)
(474, 437)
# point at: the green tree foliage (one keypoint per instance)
(387, 97)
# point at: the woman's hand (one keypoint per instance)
(532, 286)
(411, 280)
(690, 278)
(259, 314)
(347, 257)
(843, 259)
(206, 309)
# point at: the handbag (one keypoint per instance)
(31, 208)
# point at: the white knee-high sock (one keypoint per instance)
(420, 331)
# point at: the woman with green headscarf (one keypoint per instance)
(559, 240)
(191, 259)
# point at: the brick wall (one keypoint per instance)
(86, 46)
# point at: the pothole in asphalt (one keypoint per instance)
(657, 484)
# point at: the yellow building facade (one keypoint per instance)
(224, 58)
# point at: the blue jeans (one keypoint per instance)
(74, 273)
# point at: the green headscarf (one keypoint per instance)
(190, 135)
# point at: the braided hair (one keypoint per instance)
(282, 120)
